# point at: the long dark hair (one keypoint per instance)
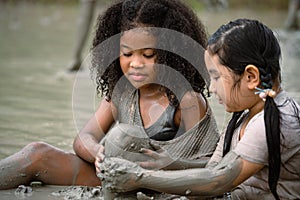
(128, 14)
(237, 44)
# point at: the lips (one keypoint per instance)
(219, 99)
(138, 77)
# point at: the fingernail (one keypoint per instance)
(141, 150)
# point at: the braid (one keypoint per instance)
(271, 117)
(272, 127)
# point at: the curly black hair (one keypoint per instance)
(168, 14)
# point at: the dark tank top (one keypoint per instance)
(163, 129)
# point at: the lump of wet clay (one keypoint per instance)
(125, 141)
(22, 191)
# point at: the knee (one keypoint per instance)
(33, 146)
(36, 150)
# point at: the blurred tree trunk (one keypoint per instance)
(215, 4)
(291, 22)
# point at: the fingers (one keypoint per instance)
(101, 169)
(119, 175)
(155, 145)
(113, 188)
(100, 154)
(99, 158)
(97, 166)
(148, 165)
(101, 149)
(107, 169)
(150, 153)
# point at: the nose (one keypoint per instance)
(212, 88)
(137, 62)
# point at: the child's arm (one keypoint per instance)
(162, 160)
(86, 143)
(200, 162)
(224, 177)
(229, 173)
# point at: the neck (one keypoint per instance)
(256, 108)
(151, 90)
(277, 87)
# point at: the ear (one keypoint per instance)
(251, 76)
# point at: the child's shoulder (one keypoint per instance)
(191, 97)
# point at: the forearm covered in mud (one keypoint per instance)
(188, 164)
(203, 182)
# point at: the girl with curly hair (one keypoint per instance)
(146, 62)
(258, 157)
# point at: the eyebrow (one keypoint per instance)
(128, 47)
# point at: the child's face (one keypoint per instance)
(222, 85)
(138, 56)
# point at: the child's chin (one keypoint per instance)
(228, 109)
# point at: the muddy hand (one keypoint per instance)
(161, 158)
(120, 175)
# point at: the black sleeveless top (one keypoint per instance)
(163, 129)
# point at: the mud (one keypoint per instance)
(125, 141)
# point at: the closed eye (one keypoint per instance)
(149, 55)
(127, 54)
(216, 78)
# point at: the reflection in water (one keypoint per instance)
(36, 93)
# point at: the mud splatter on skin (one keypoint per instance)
(13, 168)
(122, 176)
(124, 141)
